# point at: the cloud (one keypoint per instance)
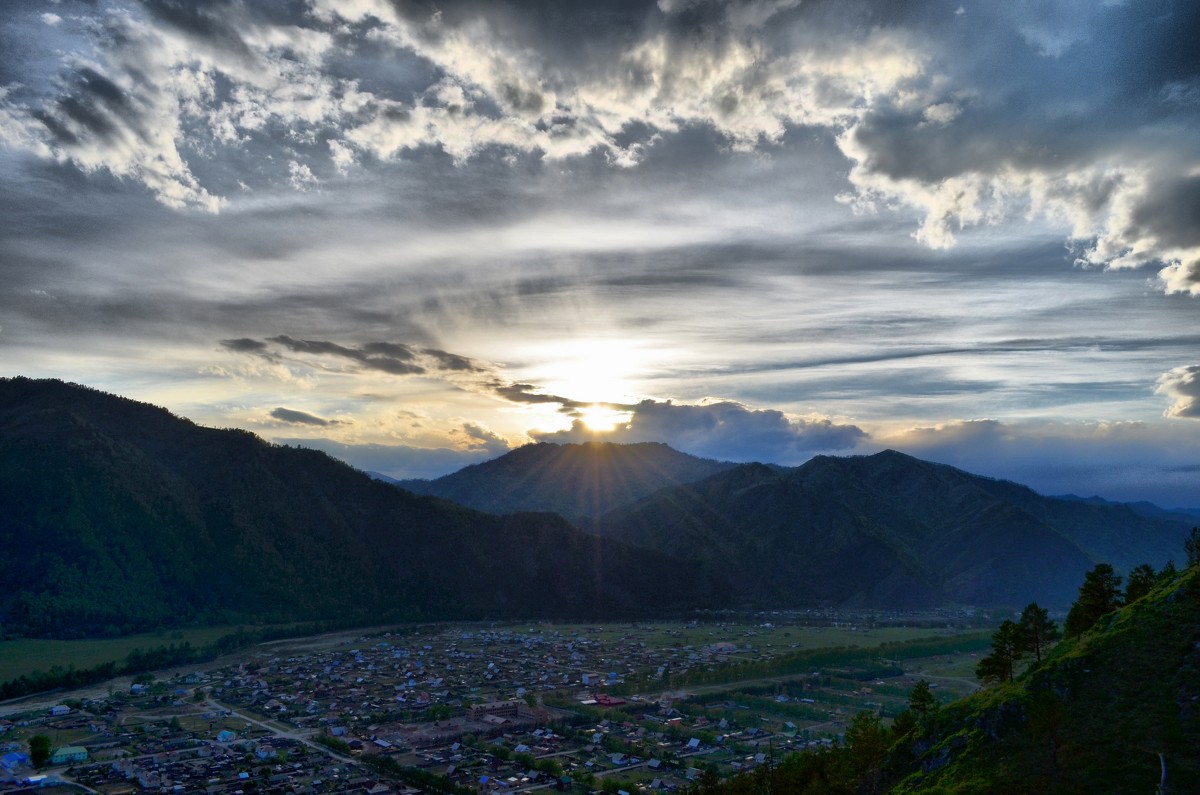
(386, 357)
(302, 417)
(967, 120)
(1073, 141)
(723, 430)
(244, 345)
(1182, 385)
(480, 439)
(1118, 460)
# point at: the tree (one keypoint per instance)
(1141, 582)
(1007, 651)
(39, 750)
(1191, 545)
(867, 741)
(1168, 573)
(1100, 594)
(1037, 630)
(921, 700)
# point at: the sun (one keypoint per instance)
(603, 419)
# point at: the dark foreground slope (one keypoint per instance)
(578, 481)
(887, 530)
(118, 516)
(1093, 718)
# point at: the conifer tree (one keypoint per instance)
(1099, 594)
(1007, 650)
(921, 700)
(1037, 630)
(1141, 581)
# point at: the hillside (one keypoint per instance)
(118, 516)
(887, 529)
(578, 481)
(1093, 718)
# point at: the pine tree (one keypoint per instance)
(1037, 630)
(921, 700)
(1141, 582)
(1099, 594)
(1007, 650)
(1191, 546)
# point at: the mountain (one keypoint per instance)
(117, 516)
(886, 530)
(1141, 508)
(578, 481)
(1093, 717)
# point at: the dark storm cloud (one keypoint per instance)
(388, 363)
(245, 345)
(1171, 214)
(209, 20)
(526, 393)
(393, 358)
(94, 107)
(301, 417)
(452, 361)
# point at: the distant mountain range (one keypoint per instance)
(117, 516)
(888, 529)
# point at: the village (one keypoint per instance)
(612, 708)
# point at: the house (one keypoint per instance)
(13, 760)
(69, 755)
(59, 710)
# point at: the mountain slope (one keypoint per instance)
(886, 529)
(1092, 718)
(116, 516)
(578, 481)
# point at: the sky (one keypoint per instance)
(419, 234)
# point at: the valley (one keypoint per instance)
(523, 705)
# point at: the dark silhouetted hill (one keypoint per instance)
(887, 530)
(117, 516)
(578, 481)
(1094, 717)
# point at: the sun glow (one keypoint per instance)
(598, 370)
(603, 419)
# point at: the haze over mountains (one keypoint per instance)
(120, 516)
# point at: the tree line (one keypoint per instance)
(1099, 595)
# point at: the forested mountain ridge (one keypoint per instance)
(1093, 717)
(118, 516)
(1115, 709)
(887, 529)
(577, 481)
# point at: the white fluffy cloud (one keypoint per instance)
(1182, 385)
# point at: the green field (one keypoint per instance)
(775, 639)
(25, 656)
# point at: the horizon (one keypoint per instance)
(417, 236)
